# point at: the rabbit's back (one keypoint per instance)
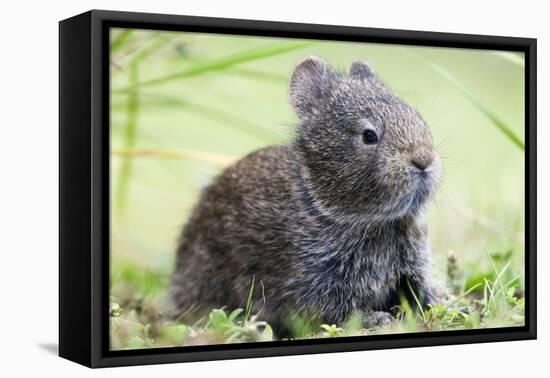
(238, 231)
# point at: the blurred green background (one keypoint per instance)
(184, 105)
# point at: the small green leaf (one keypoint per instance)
(217, 320)
(268, 333)
(234, 314)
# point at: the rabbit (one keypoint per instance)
(331, 224)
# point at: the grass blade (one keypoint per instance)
(121, 39)
(491, 296)
(416, 300)
(495, 120)
(133, 103)
(257, 75)
(263, 133)
(516, 278)
(129, 140)
(246, 73)
(249, 301)
(219, 160)
(225, 62)
(498, 274)
(511, 57)
(464, 294)
(152, 45)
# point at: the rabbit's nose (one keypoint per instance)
(422, 160)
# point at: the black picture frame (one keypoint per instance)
(84, 187)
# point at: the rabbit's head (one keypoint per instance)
(364, 150)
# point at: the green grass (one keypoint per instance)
(137, 321)
(185, 105)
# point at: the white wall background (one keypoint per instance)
(29, 189)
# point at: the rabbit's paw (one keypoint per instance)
(377, 318)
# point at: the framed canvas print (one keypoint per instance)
(234, 188)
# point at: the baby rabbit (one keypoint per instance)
(331, 224)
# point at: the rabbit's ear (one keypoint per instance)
(310, 86)
(361, 70)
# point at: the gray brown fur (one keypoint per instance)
(330, 225)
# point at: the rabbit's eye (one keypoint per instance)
(370, 137)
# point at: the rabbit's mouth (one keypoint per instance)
(425, 173)
(425, 182)
(413, 200)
